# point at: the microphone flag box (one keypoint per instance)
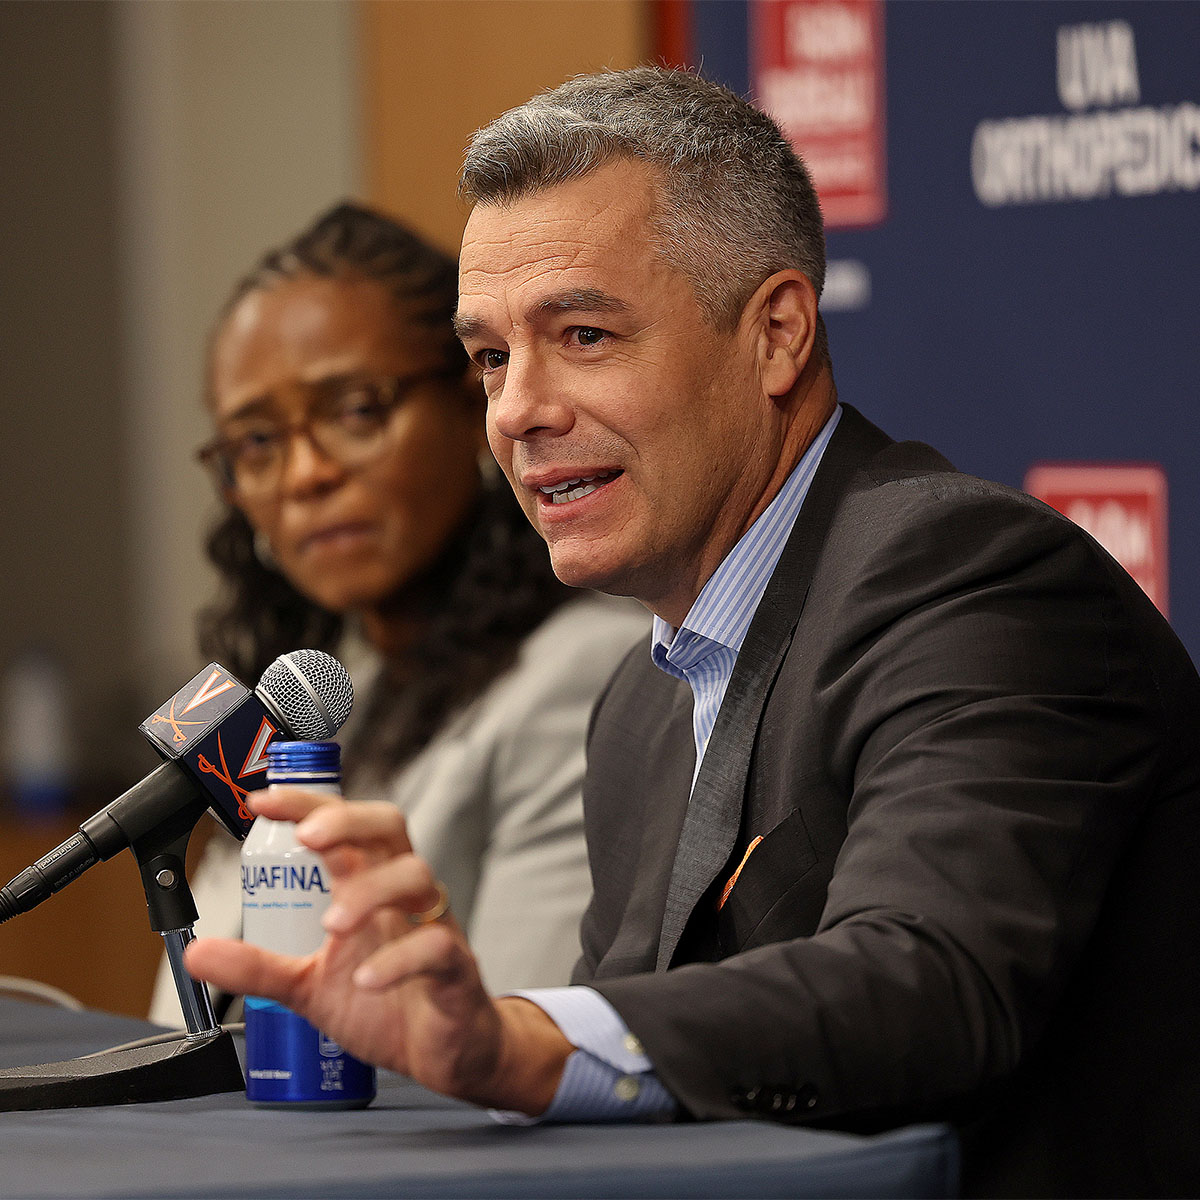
(218, 730)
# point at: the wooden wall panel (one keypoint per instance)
(436, 70)
(93, 939)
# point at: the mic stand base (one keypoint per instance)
(201, 1062)
(173, 1069)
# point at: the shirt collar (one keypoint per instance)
(726, 605)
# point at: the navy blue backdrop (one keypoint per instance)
(1034, 328)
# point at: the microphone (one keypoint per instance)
(214, 734)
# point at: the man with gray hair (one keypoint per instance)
(894, 819)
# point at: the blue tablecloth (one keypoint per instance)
(411, 1142)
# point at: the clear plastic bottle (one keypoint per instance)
(35, 733)
(284, 894)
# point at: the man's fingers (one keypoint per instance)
(347, 835)
(238, 968)
(406, 883)
(343, 861)
(374, 824)
(286, 802)
(431, 951)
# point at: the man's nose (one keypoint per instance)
(531, 403)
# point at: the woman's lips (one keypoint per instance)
(336, 537)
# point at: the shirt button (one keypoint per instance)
(626, 1089)
(634, 1045)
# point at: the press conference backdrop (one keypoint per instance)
(1015, 280)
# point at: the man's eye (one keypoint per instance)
(492, 360)
(587, 335)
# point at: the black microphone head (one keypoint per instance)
(312, 692)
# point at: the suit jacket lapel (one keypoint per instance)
(714, 811)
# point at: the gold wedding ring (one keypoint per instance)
(438, 909)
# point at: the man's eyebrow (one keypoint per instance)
(577, 300)
(591, 300)
(467, 327)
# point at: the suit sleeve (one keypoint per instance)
(986, 713)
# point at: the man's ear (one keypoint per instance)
(786, 305)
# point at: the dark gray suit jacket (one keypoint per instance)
(971, 748)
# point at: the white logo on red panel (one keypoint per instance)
(817, 68)
(1122, 505)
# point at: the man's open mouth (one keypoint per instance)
(576, 489)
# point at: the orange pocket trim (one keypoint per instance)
(734, 877)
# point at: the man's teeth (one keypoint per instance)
(574, 489)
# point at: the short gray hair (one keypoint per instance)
(738, 204)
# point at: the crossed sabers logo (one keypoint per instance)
(209, 689)
(256, 761)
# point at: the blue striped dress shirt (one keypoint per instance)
(704, 649)
(609, 1077)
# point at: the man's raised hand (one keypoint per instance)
(389, 984)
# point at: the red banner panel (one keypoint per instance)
(817, 68)
(1123, 506)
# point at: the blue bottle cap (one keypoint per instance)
(303, 760)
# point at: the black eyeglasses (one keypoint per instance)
(348, 423)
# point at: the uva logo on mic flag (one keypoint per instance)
(219, 730)
(194, 709)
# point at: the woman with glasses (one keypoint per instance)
(365, 516)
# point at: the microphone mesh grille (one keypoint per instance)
(316, 711)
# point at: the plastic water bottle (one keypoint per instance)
(285, 891)
(35, 734)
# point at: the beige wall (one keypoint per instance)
(237, 122)
(64, 583)
(436, 70)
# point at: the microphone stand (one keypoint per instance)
(201, 1062)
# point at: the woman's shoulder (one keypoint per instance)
(569, 657)
(589, 621)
